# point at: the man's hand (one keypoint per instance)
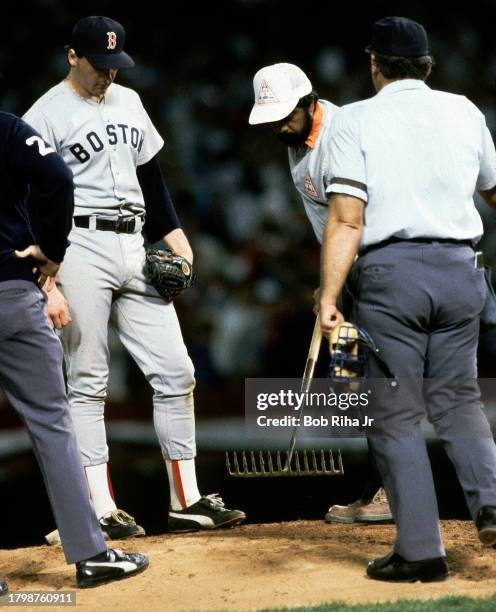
(57, 308)
(46, 267)
(330, 317)
(177, 242)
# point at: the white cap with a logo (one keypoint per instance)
(277, 91)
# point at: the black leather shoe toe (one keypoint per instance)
(394, 568)
(486, 525)
(115, 565)
(4, 589)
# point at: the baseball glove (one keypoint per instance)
(169, 273)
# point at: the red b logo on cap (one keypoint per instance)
(112, 40)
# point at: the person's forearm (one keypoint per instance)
(161, 215)
(177, 241)
(341, 241)
(340, 245)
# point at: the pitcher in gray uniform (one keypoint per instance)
(404, 167)
(285, 99)
(105, 135)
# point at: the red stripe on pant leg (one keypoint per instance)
(178, 483)
(109, 482)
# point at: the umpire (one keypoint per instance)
(31, 354)
(404, 166)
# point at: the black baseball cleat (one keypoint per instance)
(4, 588)
(111, 565)
(486, 525)
(393, 568)
(118, 525)
(208, 512)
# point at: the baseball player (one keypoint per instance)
(284, 98)
(30, 353)
(404, 167)
(105, 135)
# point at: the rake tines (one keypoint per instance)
(261, 464)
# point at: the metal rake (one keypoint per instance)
(319, 463)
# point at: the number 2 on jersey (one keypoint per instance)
(43, 148)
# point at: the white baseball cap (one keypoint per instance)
(277, 91)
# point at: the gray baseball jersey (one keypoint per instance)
(102, 143)
(103, 274)
(310, 167)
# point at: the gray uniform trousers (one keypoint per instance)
(103, 279)
(421, 304)
(31, 376)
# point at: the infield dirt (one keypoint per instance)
(256, 566)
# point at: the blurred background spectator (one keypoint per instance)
(256, 257)
(249, 313)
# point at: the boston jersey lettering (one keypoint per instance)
(93, 143)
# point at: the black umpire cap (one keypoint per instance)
(399, 37)
(101, 41)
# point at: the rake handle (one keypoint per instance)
(313, 354)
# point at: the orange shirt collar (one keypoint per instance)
(316, 123)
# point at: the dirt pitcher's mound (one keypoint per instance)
(255, 566)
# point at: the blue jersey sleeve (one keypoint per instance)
(51, 183)
(161, 216)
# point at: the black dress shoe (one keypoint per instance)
(394, 568)
(486, 525)
(111, 565)
(4, 589)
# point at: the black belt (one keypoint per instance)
(384, 243)
(124, 225)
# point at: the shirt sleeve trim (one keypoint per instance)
(348, 190)
(350, 183)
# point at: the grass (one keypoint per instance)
(446, 604)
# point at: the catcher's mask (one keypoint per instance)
(350, 347)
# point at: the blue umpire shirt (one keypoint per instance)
(36, 198)
(415, 156)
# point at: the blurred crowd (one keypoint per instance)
(256, 258)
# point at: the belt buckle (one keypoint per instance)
(125, 225)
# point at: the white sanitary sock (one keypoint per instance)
(182, 483)
(100, 489)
